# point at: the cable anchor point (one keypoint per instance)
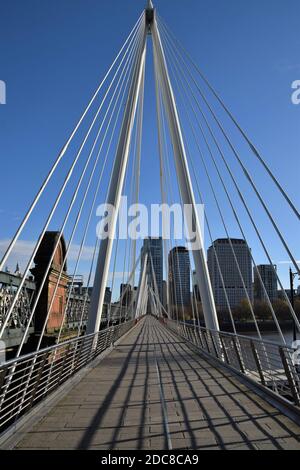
(149, 15)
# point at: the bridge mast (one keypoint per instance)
(183, 176)
(115, 189)
(118, 175)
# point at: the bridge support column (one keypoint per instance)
(115, 190)
(184, 179)
(141, 288)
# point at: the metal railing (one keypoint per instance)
(267, 363)
(29, 379)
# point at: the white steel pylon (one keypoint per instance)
(141, 288)
(115, 189)
(183, 176)
(184, 180)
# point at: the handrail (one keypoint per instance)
(227, 333)
(267, 363)
(51, 348)
(28, 379)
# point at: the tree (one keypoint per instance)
(262, 310)
(282, 310)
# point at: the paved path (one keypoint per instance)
(118, 405)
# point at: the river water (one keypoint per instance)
(274, 337)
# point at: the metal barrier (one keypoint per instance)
(265, 362)
(29, 379)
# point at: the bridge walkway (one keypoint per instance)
(154, 391)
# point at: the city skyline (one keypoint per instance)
(266, 271)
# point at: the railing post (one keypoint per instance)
(63, 363)
(38, 379)
(2, 386)
(192, 336)
(200, 338)
(290, 374)
(195, 335)
(94, 346)
(114, 336)
(75, 362)
(258, 363)
(238, 354)
(188, 333)
(206, 342)
(2, 378)
(224, 350)
(214, 344)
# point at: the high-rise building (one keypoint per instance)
(221, 250)
(268, 276)
(125, 294)
(107, 295)
(154, 247)
(179, 276)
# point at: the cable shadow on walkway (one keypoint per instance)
(248, 416)
(126, 404)
(96, 421)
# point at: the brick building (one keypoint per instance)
(41, 260)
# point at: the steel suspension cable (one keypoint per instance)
(63, 151)
(163, 132)
(135, 178)
(114, 271)
(161, 149)
(119, 88)
(169, 186)
(247, 175)
(123, 75)
(133, 191)
(49, 218)
(176, 257)
(138, 157)
(181, 87)
(242, 199)
(164, 160)
(234, 120)
(96, 246)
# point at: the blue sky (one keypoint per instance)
(54, 53)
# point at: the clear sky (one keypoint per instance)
(53, 53)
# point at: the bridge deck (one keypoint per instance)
(118, 405)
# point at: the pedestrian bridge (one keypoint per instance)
(157, 390)
(148, 381)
